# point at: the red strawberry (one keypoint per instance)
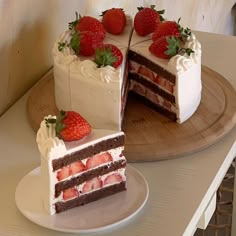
(76, 167)
(114, 20)
(146, 20)
(85, 43)
(165, 47)
(92, 184)
(70, 125)
(70, 193)
(88, 23)
(108, 54)
(146, 72)
(166, 28)
(113, 178)
(63, 173)
(98, 159)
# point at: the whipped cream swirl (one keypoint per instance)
(85, 68)
(47, 140)
(180, 63)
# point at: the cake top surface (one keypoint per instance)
(162, 41)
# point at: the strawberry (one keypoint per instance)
(70, 126)
(144, 71)
(85, 43)
(146, 20)
(76, 167)
(164, 47)
(166, 28)
(171, 28)
(167, 47)
(92, 184)
(113, 178)
(108, 54)
(98, 159)
(114, 20)
(70, 193)
(63, 173)
(88, 23)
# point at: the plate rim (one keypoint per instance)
(130, 170)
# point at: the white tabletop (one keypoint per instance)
(180, 189)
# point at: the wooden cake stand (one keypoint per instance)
(149, 135)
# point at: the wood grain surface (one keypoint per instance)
(149, 135)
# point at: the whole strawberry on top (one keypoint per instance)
(70, 126)
(146, 20)
(169, 39)
(114, 20)
(85, 42)
(87, 33)
(88, 23)
(108, 54)
(171, 28)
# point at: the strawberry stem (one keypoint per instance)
(104, 57)
(58, 121)
(73, 24)
(160, 12)
(173, 47)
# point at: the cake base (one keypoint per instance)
(149, 135)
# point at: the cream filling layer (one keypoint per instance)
(79, 188)
(116, 155)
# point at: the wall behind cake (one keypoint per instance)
(28, 29)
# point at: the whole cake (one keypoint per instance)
(78, 165)
(164, 67)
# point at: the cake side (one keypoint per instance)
(101, 88)
(172, 85)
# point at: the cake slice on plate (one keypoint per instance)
(78, 165)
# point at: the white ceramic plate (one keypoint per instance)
(102, 214)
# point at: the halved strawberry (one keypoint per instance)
(146, 20)
(70, 193)
(76, 167)
(108, 54)
(92, 184)
(114, 20)
(70, 125)
(113, 178)
(98, 159)
(63, 173)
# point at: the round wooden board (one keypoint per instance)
(149, 135)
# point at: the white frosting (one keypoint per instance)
(187, 90)
(93, 92)
(51, 148)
